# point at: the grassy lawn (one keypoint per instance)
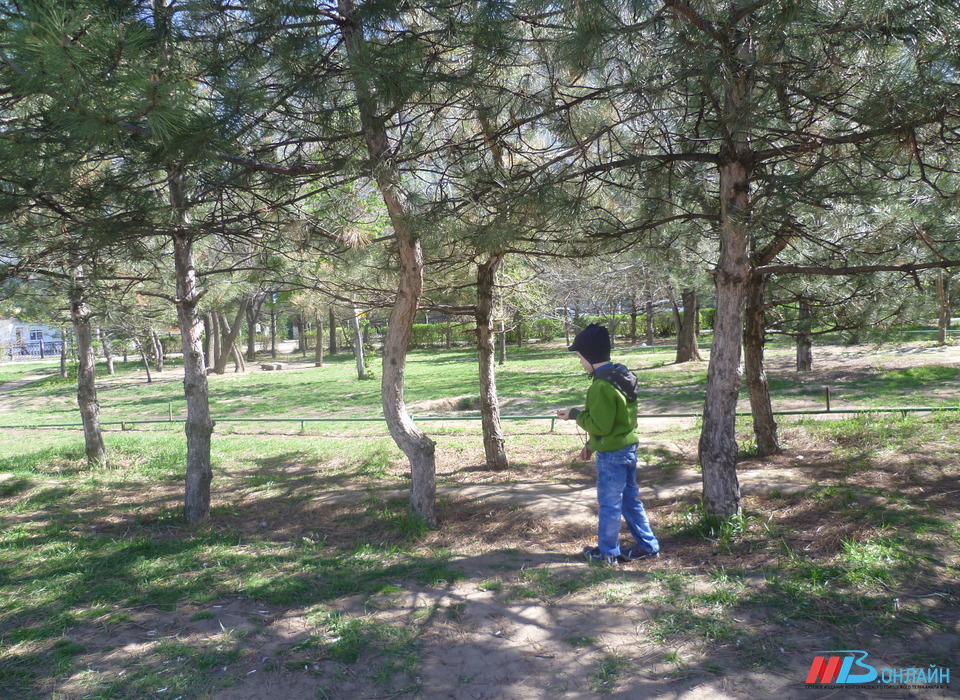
(17, 370)
(312, 579)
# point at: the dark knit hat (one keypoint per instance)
(593, 342)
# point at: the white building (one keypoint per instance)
(23, 339)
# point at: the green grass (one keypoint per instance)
(322, 525)
(608, 672)
(333, 390)
(12, 371)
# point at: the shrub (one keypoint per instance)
(706, 319)
(426, 335)
(546, 329)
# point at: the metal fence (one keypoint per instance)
(132, 423)
(27, 351)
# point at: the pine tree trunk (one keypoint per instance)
(358, 345)
(107, 351)
(229, 337)
(332, 321)
(650, 326)
(804, 339)
(210, 332)
(217, 343)
(634, 312)
(718, 440)
(318, 357)
(677, 322)
(63, 354)
(157, 350)
(687, 349)
(419, 449)
(493, 438)
(199, 424)
(141, 348)
(502, 360)
(273, 332)
(943, 306)
(86, 375)
(238, 364)
(253, 311)
(764, 425)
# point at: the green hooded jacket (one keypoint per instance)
(610, 416)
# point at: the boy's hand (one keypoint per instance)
(563, 413)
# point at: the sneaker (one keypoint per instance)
(593, 554)
(637, 554)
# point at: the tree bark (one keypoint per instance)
(86, 375)
(318, 357)
(718, 442)
(633, 319)
(943, 306)
(217, 344)
(332, 322)
(157, 350)
(650, 330)
(273, 332)
(502, 360)
(63, 354)
(358, 345)
(301, 335)
(419, 449)
(238, 364)
(687, 349)
(754, 338)
(493, 438)
(107, 351)
(253, 315)
(229, 337)
(210, 332)
(677, 322)
(199, 425)
(143, 357)
(804, 339)
(718, 450)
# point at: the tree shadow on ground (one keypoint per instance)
(495, 601)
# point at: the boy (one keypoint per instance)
(610, 419)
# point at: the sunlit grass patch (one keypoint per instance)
(881, 560)
(548, 583)
(609, 672)
(389, 647)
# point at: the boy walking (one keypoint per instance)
(610, 419)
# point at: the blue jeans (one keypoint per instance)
(617, 493)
